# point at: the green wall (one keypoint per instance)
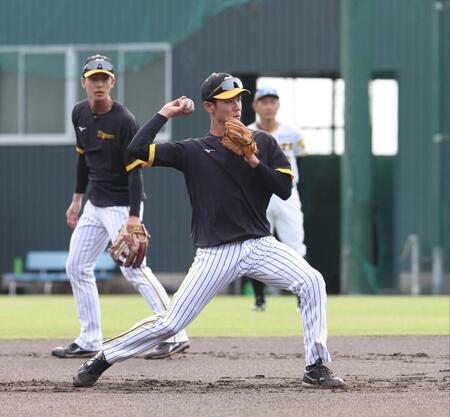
(37, 183)
(39, 187)
(320, 195)
(251, 38)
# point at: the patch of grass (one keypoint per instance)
(52, 317)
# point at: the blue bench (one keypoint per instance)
(49, 267)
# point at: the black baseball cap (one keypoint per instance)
(222, 86)
(265, 92)
(98, 64)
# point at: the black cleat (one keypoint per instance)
(88, 373)
(259, 307)
(318, 375)
(166, 349)
(72, 351)
(260, 304)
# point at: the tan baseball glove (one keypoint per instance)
(131, 246)
(238, 138)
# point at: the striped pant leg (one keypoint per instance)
(212, 269)
(143, 278)
(278, 265)
(88, 241)
(154, 293)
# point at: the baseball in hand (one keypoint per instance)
(188, 106)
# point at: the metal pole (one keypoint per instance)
(438, 54)
(438, 273)
(415, 264)
(71, 84)
(357, 269)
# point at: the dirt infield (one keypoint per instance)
(392, 376)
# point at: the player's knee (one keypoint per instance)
(71, 268)
(166, 324)
(175, 321)
(319, 280)
(78, 270)
(173, 328)
(313, 279)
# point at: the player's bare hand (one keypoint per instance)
(253, 161)
(72, 213)
(181, 106)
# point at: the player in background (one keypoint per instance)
(285, 217)
(229, 195)
(103, 129)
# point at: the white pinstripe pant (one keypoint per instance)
(95, 228)
(265, 259)
(286, 218)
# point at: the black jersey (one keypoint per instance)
(102, 140)
(229, 198)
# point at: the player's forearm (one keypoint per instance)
(77, 198)
(138, 148)
(82, 175)
(275, 181)
(135, 187)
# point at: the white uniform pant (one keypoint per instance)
(96, 227)
(265, 259)
(286, 219)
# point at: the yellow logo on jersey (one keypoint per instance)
(103, 135)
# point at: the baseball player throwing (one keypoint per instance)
(285, 217)
(229, 191)
(103, 129)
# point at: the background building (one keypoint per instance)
(165, 49)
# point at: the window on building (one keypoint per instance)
(44, 93)
(316, 106)
(9, 86)
(41, 84)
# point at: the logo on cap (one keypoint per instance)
(221, 86)
(98, 64)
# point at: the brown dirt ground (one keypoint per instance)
(386, 376)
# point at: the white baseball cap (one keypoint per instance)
(265, 92)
